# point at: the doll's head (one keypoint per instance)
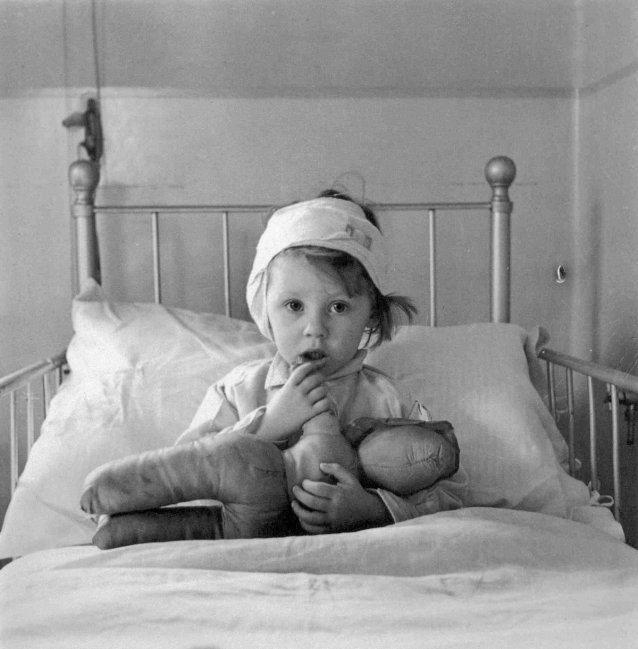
(328, 242)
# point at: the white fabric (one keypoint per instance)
(478, 377)
(328, 222)
(470, 578)
(139, 372)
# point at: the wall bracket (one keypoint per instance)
(90, 120)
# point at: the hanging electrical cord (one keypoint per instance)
(96, 53)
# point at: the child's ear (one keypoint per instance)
(373, 320)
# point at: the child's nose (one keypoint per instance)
(315, 325)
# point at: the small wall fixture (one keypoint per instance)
(560, 275)
(90, 120)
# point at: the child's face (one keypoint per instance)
(309, 309)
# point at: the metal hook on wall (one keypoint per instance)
(90, 120)
(560, 274)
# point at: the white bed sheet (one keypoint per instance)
(479, 577)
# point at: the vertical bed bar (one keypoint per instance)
(571, 426)
(226, 245)
(157, 283)
(615, 450)
(30, 417)
(593, 455)
(13, 442)
(551, 385)
(500, 173)
(46, 394)
(432, 248)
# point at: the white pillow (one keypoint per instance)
(139, 372)
(479, 377)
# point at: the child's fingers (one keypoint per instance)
(338, 472)
(316, 489)
(311, 501)
(322, 405)
(307, 370)
(311, 522)
(314, 529)
(313, 385)
(317, 394)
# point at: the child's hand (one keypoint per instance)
(302, 397)
(322, 508)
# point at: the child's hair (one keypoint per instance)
(386, 309)
(367, 210)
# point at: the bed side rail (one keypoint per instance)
(621, 391)
(27, 394)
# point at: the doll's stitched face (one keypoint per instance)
(311, 310)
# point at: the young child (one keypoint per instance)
(319, 289)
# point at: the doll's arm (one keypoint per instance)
(445, 495)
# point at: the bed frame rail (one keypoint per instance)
(500, 172)
(620, 389)
(28, 393)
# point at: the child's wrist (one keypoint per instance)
(271, 429)
(380, 515)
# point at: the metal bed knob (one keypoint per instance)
(500, 171)
(84, 177)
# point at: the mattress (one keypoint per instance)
(477, 577)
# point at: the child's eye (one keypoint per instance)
(294, 305)
(339, 307)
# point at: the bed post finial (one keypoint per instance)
(500, 172)
(84, 176)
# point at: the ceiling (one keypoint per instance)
(318, 47)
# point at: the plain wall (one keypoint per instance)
(605, 320)
(275, 150)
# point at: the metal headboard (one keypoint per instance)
(500, 172)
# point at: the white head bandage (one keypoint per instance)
(326, 222)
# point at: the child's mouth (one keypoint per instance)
(312, 355)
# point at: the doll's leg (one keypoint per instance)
(405, 457)
(194, 522)
(159, 525)
(232, 468)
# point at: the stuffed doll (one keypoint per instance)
(251, 478)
